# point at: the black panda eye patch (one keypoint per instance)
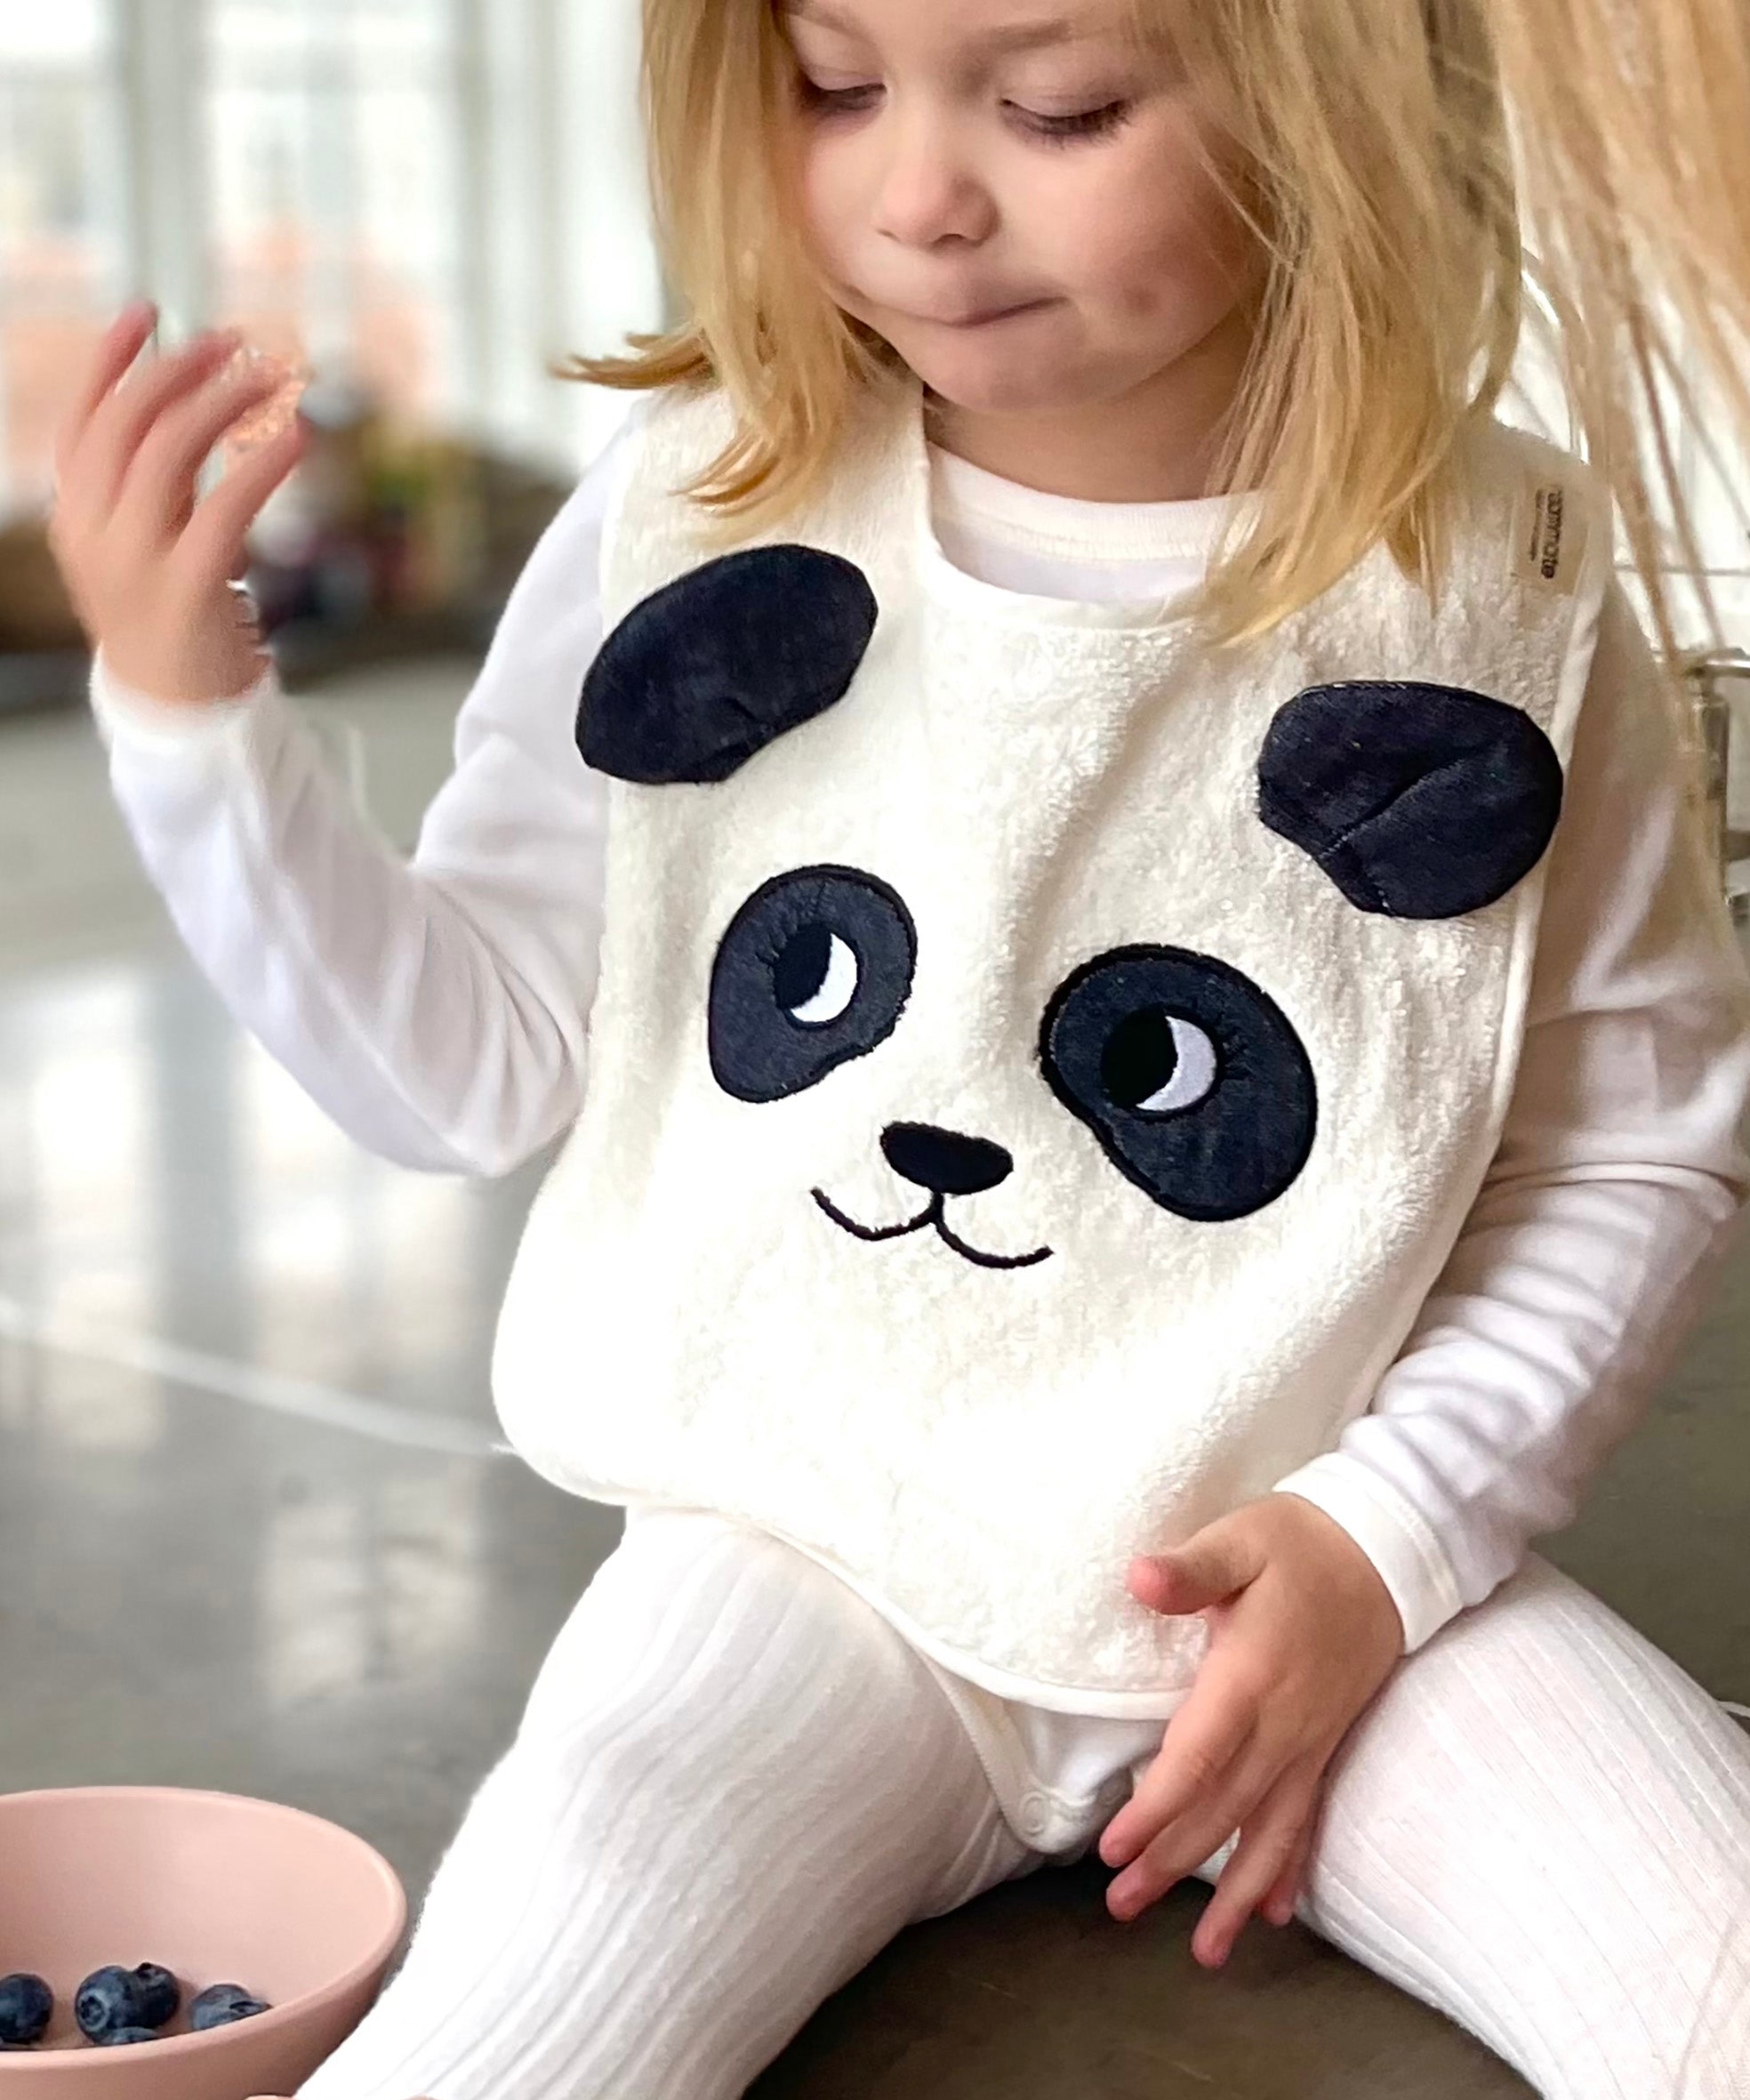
(1190, 1076)
(815, 969)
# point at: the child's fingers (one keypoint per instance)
(1203, 1741)
(1284, 1893)
(124, 418)
(1267, 1841)
(119, 345)
(158, 496)
(1192, 1833)
(213, 544)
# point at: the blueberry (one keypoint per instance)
(108, 1999)
(222, 2003)
(159, 1995)
(121, 2036)
(26, 2005)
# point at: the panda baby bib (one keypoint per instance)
(1037, 1070)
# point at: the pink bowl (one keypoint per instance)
(220, 1889)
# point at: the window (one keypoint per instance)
(335, 176)
(432, 197)
(57, 234)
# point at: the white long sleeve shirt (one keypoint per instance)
(437, 1008)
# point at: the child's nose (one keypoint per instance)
(927, 193)
(943, 1160)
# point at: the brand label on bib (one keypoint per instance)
(1548, 537)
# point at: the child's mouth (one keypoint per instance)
(990, 315)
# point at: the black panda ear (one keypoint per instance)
(720, 663)
(1422, 802)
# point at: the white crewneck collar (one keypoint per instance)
(1071, 528)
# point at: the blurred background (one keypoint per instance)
(255, 1532)
(425, 200)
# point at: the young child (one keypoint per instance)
(1105, 872)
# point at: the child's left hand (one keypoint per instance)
(1303, 1634)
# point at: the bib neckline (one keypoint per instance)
(954, 587)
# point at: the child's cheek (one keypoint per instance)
(827, 192)
(1159, 247)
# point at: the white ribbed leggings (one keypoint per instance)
(734, 1783)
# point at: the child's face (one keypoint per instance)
(1010, 194)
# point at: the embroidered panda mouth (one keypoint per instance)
(921, 1143)
(933, 1214)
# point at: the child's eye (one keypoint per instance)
(837, 101)
(1083, 123)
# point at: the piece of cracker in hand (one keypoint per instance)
(262, 422)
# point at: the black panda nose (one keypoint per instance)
(944, 1160)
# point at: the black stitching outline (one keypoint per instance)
(934, 1215)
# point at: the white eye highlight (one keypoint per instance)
(837, 988)
(1193, 1073)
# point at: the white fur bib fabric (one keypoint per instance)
(1009, 1143)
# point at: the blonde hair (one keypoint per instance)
(1393, 158)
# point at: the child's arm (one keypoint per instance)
(1612, 1195)
(436, 1009)
(1613, 1192)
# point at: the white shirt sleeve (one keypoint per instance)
(436, 1008)
(1613, 1192)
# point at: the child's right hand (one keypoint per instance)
(148, 569)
